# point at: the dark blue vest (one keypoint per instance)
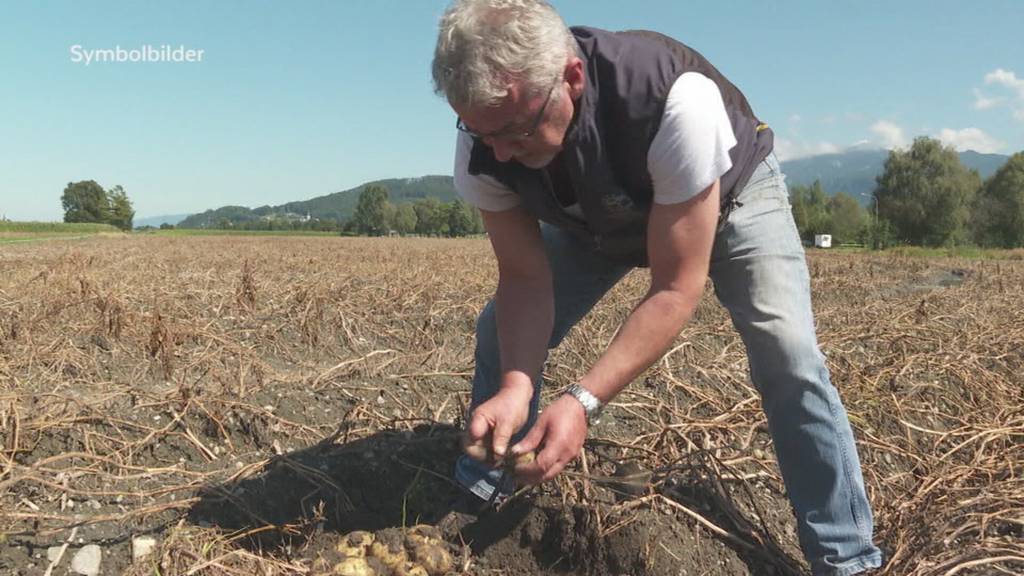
(604, 156)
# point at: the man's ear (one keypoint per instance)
(575, 76)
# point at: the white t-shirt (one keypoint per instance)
(689, 152)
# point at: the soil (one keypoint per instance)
(250, 402)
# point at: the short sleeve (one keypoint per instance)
(482, 192)
(691, 149)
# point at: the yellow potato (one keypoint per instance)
(433, 558)
(410, 569)
(427, 531)
(354, 567)
(350, 551)
(524, 459)
(355, 544)
(414, 540)
(360, 538)
(391, 554)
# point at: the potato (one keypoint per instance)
(414, 540)
(350, 551)
(427, 531)
(410, 569)
(433, 557)
(390, 554)
(354, 567)
(422, 534)
(355, 544)
(360, 538)
(523, 459)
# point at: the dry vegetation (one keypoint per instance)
(246, 400)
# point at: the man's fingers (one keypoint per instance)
(502, 434)
(544, 468)
(553, 471)
(474, 439)
(477, 450)
(532, 439)
(478, 428)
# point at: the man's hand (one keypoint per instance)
(495, 421)
(559, 431)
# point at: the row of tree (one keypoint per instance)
(87, 201)
(375, 215)
(840, 215)
(270, 223)
(926, 197)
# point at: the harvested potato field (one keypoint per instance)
(238, 405)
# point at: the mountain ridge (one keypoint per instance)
(335, 206)
(852, 171)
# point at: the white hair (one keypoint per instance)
(484, 46)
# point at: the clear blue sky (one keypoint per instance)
(294, 100)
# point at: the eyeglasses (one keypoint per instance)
(511, 134)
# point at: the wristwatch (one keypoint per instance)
(592, 407)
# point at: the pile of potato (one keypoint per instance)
(421, 552)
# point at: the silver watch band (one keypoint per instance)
(592, 407)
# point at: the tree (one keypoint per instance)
(460, 219)
(478, 221)
(85, 201)
(390, 211)
(847, 216)
(998, 216)
(121, 212)
(925, 193)
(431, 217)
(405, 219)
(810, 210)
(878, 234)
(371, 211)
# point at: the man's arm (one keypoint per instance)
(525, 314)
(679, 241)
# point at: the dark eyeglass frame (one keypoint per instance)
(511, 134)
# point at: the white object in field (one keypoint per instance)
(142, 546)
(87, 561)
(822, 240)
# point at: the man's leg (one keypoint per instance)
(760, 276)
(580, 278)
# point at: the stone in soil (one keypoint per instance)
(87, 561)
(142, 546)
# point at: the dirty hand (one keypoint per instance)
(495, 421)
(560, 431)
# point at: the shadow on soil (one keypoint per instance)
(385, 480)
(398, 479)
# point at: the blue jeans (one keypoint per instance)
(760, 275)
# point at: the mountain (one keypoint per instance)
(156, 221)
(985, 164)
(336, 206)
(853, 171)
